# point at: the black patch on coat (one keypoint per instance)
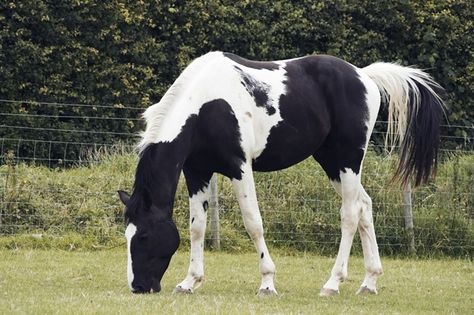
(324, 114)
(258, 90)
(262, 255)
(192, 220)
(157, 174)
(150, 209)
(215, 146)
(259, 65)
(205, 205)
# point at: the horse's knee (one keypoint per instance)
(255, 231)
(197, 227)
(349, 219)
(366, 202)
(253, 224)
(366, 220)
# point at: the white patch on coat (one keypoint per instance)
(350, 189)
(244, 190)
(372, 100)
(197, 230)
(356, 211)
(155, 114)
(210, 77)
(129, 233)
(261, 122)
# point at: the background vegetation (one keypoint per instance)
(113, 58)
(78, 208)
(120, 56)
(126, 53)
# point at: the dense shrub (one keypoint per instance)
(125, 54)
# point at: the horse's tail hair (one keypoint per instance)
(415, 111)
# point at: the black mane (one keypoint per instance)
(140, 198)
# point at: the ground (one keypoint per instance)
(53, 281)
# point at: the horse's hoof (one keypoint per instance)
(328, 292)
(180, 290)
(267, 292)
(365, 290)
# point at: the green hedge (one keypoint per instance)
(126, 53)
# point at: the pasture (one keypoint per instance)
(70, 113)
(78, 207)
(55, 281)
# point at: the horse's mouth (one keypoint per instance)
(155, 288)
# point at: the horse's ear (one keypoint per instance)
(124, 197)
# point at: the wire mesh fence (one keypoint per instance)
(59, 174)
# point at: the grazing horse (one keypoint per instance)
(233, 116)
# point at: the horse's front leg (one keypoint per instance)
(198, 205)
(244, 190)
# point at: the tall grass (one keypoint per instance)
(78, 207)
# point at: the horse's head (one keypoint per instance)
(151, 242)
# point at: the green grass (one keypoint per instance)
(53, 281)
(300, 209)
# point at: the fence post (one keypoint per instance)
(408, 215)
(214, 212)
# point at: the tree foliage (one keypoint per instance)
(126, 53)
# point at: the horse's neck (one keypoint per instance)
(162, 214)
(157, 176)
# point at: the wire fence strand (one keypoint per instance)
(56, 178)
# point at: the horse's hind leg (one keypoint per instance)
(356, 211)
(373, 266)
(199, 192)
(349, 188)
(244, 190)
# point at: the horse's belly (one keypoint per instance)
(275, 162)
(286, 146)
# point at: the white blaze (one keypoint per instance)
(129, 233)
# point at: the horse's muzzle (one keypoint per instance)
(141, 290)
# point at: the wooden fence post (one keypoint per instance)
(408, 215)
(214, 212)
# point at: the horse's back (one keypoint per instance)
(324, 106)
(285, 111)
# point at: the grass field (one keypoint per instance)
(53, 281)
(299, 207)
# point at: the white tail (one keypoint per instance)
(414, 115)
(398, 85)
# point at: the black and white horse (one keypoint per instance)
(233, 116)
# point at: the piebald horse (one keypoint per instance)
(229, 115)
